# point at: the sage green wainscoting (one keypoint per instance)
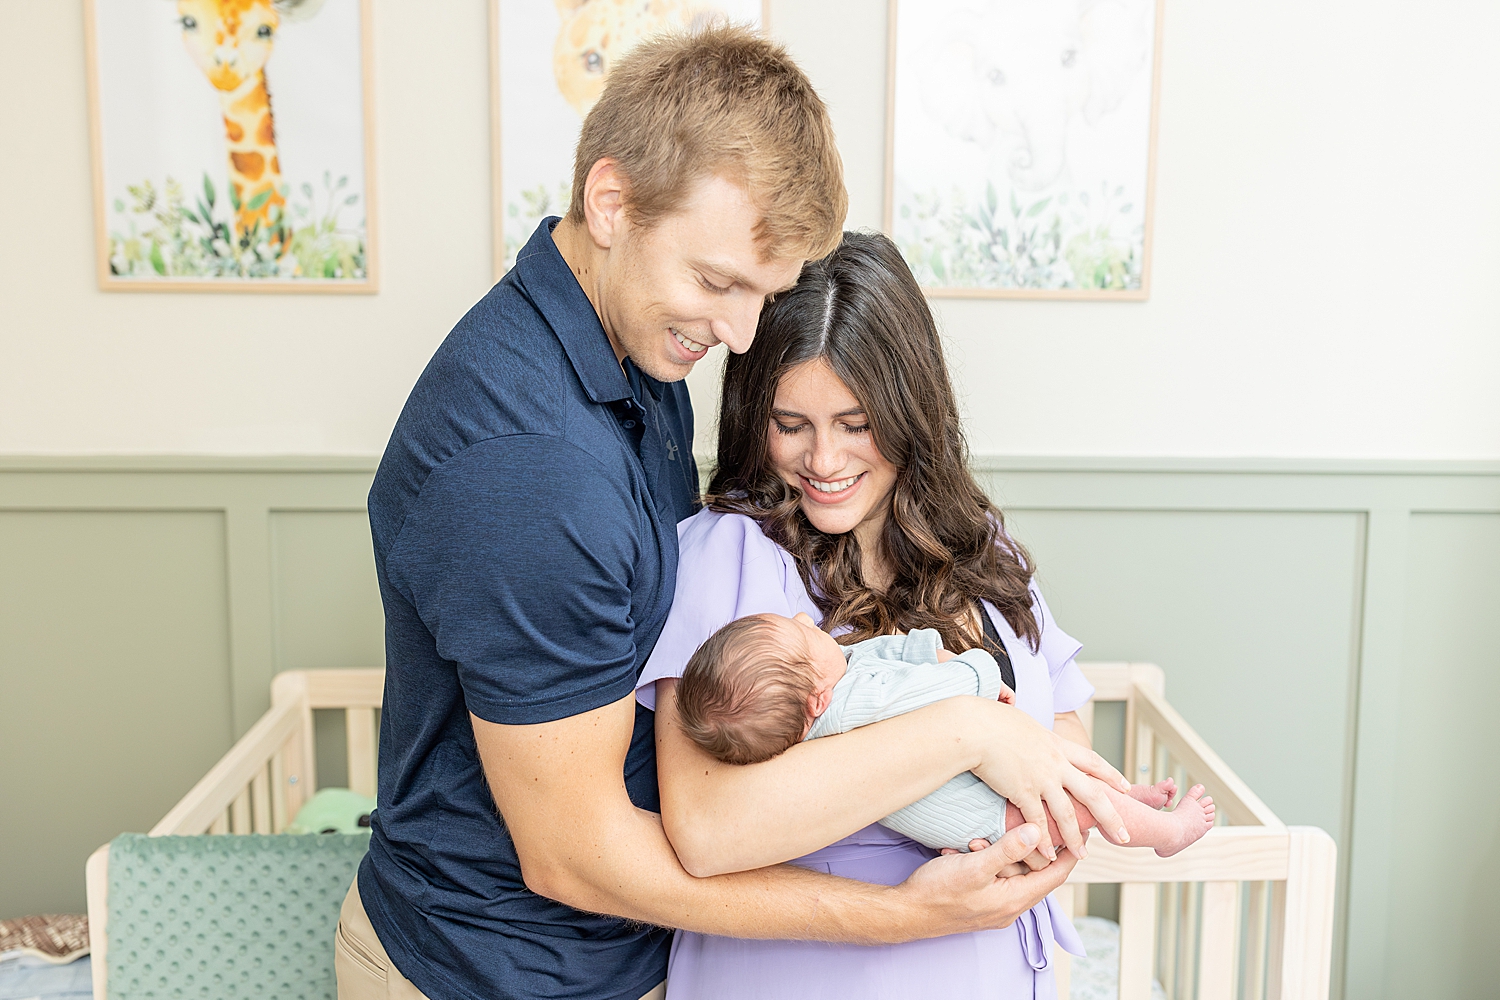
(1333, 629)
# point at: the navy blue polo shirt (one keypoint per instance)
(525, 524)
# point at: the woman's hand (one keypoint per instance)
(1036, 769)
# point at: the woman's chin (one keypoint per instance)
(830, 520)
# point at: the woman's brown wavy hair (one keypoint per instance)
(860, 310)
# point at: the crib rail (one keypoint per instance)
(271, 771)
(1247, 912)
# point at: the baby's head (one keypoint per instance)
(753, 689)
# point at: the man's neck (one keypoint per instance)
(585, 259)
(581, 255)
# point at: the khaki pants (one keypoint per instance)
(365, 971)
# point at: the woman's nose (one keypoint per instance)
(825, 459)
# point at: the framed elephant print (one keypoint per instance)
(548, 63)
(1020, 145)
(232, 145)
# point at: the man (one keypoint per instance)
(524, 523)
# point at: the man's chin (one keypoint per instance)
(664, 369)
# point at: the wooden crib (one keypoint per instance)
(1245, 913)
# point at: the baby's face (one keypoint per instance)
(823, 652)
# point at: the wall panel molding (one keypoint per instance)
(278, 574)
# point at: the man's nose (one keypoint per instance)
(736, 327)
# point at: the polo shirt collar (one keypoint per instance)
(549, 283)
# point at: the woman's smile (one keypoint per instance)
(831, 491)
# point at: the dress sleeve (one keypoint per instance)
(1069, 688)
(726, 569)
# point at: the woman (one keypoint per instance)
(842, 490)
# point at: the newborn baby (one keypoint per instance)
(763, 683)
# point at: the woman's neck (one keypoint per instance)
(872, 563)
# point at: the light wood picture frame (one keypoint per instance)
(1020, 155)
(547, 65)
(233, 148)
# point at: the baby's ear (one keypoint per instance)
(817, 703)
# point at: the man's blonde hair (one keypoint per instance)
(723, 100)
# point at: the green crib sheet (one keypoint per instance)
(216, 917)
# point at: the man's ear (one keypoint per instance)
(817, 703)
(604, 202)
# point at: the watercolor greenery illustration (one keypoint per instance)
(1065, 240)
(161, 235)
(522, 218)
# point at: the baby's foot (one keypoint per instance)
(1156, 796)
(1195, 812)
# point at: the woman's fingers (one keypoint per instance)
(1089, 762)
(1066, 818)
(1095, 798)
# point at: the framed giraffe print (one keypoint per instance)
(548, 63)
(232, 145)
(1020, 145)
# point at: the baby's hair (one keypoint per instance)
(743, 697)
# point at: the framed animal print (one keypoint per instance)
(232, 145)
(548, 64)
(1020, 145)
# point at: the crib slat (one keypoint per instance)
(1255, 941)
(1218, 940)
(240, 812)
(1168, 936)
(280, 789)
(1062, 962)
(260, 787)
(359, 730)
(220, 824)
(1137, 939)
(1187, 940)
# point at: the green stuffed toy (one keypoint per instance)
(334, 810)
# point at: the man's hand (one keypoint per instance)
(988, 888)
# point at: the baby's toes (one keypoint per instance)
(1156, 796)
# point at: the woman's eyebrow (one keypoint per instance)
(858, 411)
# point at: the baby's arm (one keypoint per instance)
(877, 687)
(1006, 694)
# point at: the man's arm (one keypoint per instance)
(560, 790)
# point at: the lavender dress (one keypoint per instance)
(728, 569)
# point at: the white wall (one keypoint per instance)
(1325, 246)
